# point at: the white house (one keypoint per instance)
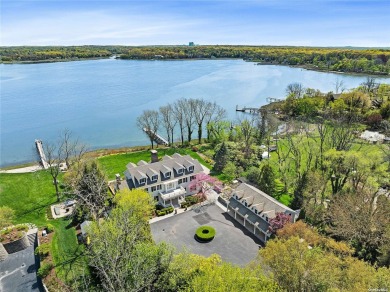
(166, 180)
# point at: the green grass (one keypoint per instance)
(28, 194)
(68, 254)
(113, 164)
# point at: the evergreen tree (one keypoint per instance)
(221, 157)
(267, 180)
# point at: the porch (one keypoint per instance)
(172, 197)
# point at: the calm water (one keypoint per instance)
(99, 100)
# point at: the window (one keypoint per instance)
(154, 189)
(170, 186)
(180, 181)
(180, 171)
(159, 187)
(156, 198)
(142, 181)
(192, 177)
(154, 177)
(146, 189)
(168, 174)
(185, 179)
(191, 168)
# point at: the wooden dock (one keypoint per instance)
(156, 137)
(251, 110)
(41, 153)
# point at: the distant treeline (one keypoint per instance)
(373, 61)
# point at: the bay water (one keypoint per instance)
(99, 100)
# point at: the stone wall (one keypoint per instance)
(3, 253)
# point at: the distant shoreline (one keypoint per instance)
(306, 67)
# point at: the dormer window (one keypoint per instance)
(154, 177)
(168, 174)
(142, 181)
(191, 168)
(180, 171)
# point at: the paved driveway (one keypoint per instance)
(232, 242)
(18, 272)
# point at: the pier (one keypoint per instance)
(156, 137)
(251, 110)
(41, 153)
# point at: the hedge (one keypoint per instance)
(205, 233)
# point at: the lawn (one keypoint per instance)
(113, 164)
(68, 254)
(28, 194)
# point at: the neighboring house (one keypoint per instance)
(84, 231)
(253, 208)
(166, 180)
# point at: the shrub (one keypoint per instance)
(48, 213)
(191, 200)
(49, 228)
(205, 233)
(45, 269)
(43, 250)
(22, 227)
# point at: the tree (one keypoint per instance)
(73, 150)
(91, 191)
(6, 216)
(54, 157)
(247, 130)
(168, 121)
(203, 183)
(214, 115)
(179, 107)
(267, 180)
(295, 90)
(339, 85)
(279, 221)
(148, 122)
(189, 116)
(221, 157)
(201, 110)
(361, 218)
(122, 252)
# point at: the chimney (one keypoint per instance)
(154, 156)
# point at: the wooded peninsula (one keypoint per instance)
(350, 60)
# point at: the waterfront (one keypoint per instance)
(99, 100)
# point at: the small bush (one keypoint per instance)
(43, 250)
(22, 227)
(45, 269)
(205, 233)
(191, 200)
(195, 149)
(49, 228)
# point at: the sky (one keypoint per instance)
(361, 23)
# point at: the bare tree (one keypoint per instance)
(148, 122)
(339, 86)
(178, 109)
(295, 89)
(54, 158)
(73, 151)
(168, 120)
(189, 116)
(215, 114)
(370, 86)
(247, 130)
(201, 109)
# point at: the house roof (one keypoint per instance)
(167, 164)
(260, 201)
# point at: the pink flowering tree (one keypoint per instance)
(203, 183)
(279, 222)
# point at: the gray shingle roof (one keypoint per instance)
(260, 201)
(169, 163)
